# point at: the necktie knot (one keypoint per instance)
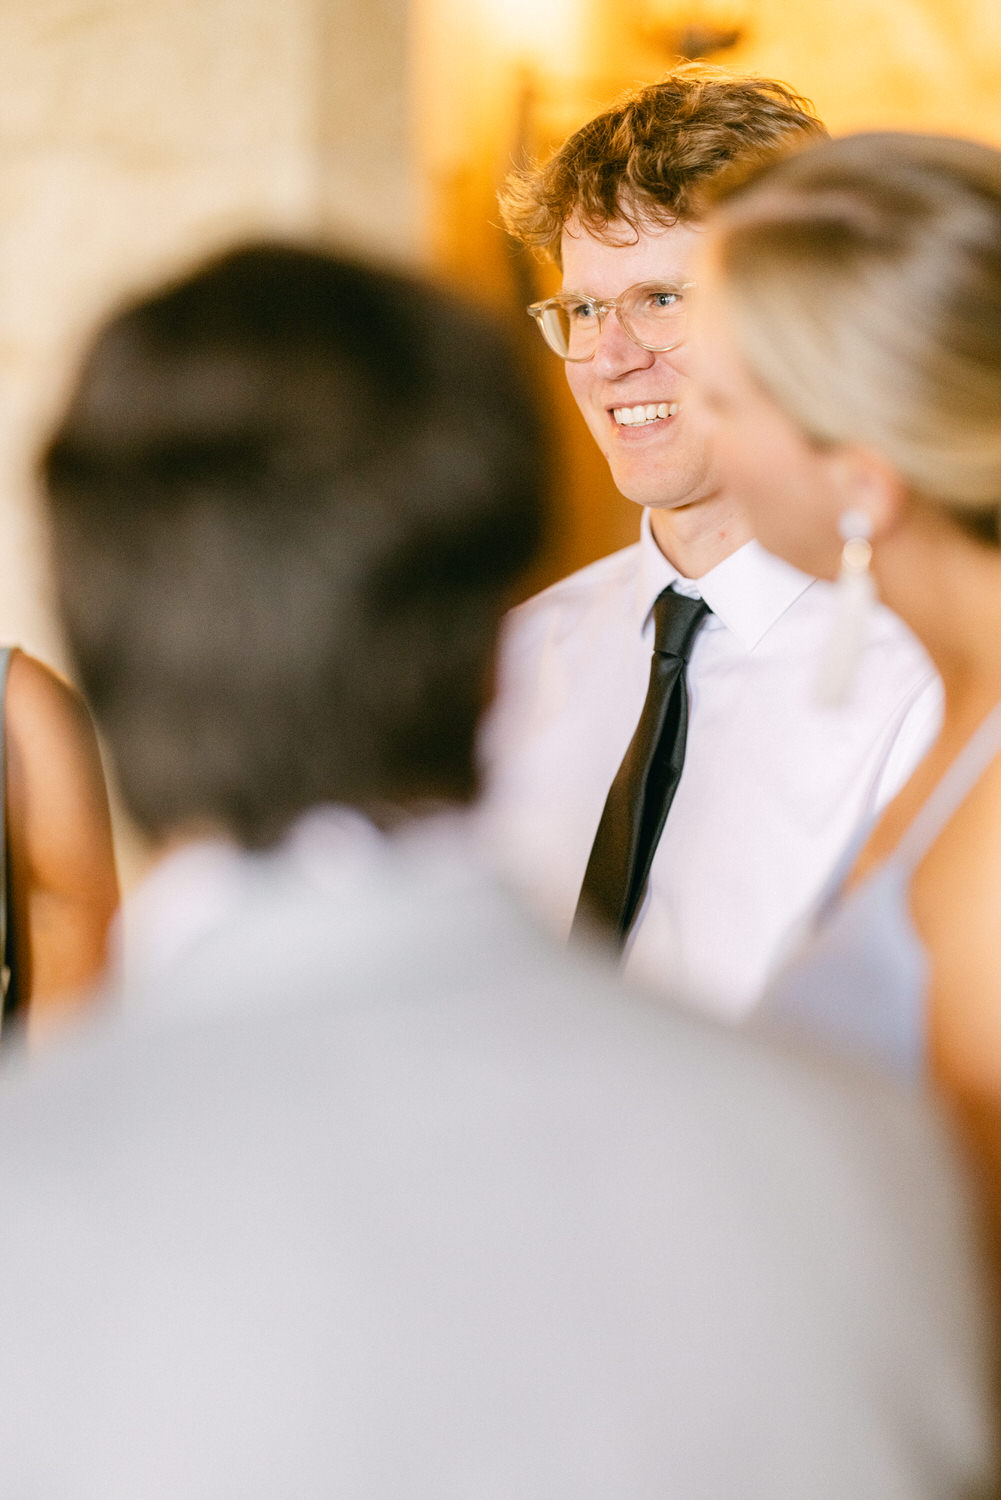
(677, 620)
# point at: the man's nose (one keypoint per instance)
(617, 353)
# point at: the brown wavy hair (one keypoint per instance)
(645, 160)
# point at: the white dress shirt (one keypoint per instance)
(774, 788)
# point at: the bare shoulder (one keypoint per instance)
(41, 703)
(63, 885)
(955, 900)
(56, 795)
(969, 846)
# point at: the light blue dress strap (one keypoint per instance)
(960, 779)
(5, 656)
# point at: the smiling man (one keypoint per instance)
(694, 804)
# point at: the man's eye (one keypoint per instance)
(663, 299)
(579, 312)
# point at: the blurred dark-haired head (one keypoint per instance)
(289, 499)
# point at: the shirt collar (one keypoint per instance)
(198, 887)
(747, 592)
(194, 888)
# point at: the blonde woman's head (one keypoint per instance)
(861, 281)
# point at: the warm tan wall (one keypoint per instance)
(899, 64)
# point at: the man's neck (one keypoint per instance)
(695, 538)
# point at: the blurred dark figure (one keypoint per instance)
(365, 1191)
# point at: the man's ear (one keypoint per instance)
(864, 480)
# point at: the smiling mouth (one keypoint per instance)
(642, 416)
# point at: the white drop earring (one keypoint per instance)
(855, 593)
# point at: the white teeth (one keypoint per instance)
(637, 416)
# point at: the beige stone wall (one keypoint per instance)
(135, 135)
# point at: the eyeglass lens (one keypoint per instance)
(651, 314)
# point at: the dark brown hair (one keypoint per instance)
(288, 500)
(645, 159)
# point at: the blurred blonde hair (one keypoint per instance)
(863, 281)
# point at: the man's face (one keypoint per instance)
(665, 462)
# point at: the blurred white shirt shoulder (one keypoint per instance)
(365, 1188)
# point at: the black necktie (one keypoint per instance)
(641, 794)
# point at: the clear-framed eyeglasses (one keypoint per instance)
(652, 314)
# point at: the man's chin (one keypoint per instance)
(663, 491)
(658, 502)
